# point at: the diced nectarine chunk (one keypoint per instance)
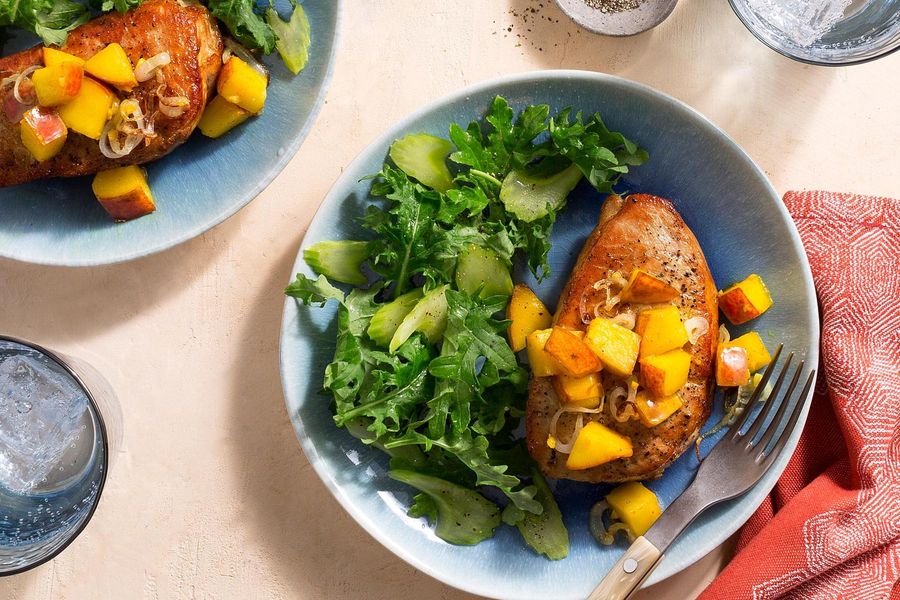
(757, 354)
(113, 66)
(616, 346)
(57, 84)
(241, 84)
(43, 133)
(574, 357)
(745, 300)
(124, 192)
(653, 411)
(661, 330)
(644, 288)
(53, 57)
(88, 112)
(542, 364)
(597, 444)
(732, 366)
(635, 505)
(220, 117)
(664, 374)
(581, 391)
(527, 313)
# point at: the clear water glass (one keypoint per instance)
(53, 452)
(824, 32)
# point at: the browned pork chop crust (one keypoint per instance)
(645, 232)
(187, 32)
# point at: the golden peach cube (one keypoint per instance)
(616, 346)
(53, 57)
(597, 444)
(579, 391)
(542, 364)
(57, 84)
(241, 84)
(732, 366)
(124, 192)
(653, 411)
(661, 330)
(757, 354)
(634, 505)
(220, 117)
(88, 112)
(745, 300)
(664, 374)
(644, 288)
(574, 357)
(527, 313)
(112, 65)
(43, 132)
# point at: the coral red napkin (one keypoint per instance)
(830, 529)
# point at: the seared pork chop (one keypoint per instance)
(637, 232)
(187, 32)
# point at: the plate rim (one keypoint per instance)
(276, 170)
(759, 492)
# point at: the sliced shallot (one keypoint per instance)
(579, 424)
(173, 106)
(17, 81)
(598, 528)
(147, 69)
(696, 328)
(619, 394)
(724, 335)
(605, 308)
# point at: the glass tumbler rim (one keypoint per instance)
(61, 361)
(819, 63)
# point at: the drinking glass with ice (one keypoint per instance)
(824, 32)
(53, 452)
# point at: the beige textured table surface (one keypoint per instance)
(210, 496)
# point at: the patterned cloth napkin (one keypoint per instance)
(830, 529)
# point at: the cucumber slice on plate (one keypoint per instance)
(424, 157)
(479, 268)
(338, 260)
(530, 198)
(387, 319)
(428, 316)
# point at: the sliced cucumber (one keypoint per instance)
(338, 260)
(387, 318)
(530, 198)
(477, 268)
(428, 316)
(423, 157)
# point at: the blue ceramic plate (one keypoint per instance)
(199, 185)
(742, 227)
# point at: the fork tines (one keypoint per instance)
(763, 430)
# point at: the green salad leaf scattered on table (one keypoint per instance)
(422, 369)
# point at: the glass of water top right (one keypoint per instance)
(824, 32)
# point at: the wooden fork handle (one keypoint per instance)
(626, 576)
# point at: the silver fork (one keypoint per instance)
(732, 467)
